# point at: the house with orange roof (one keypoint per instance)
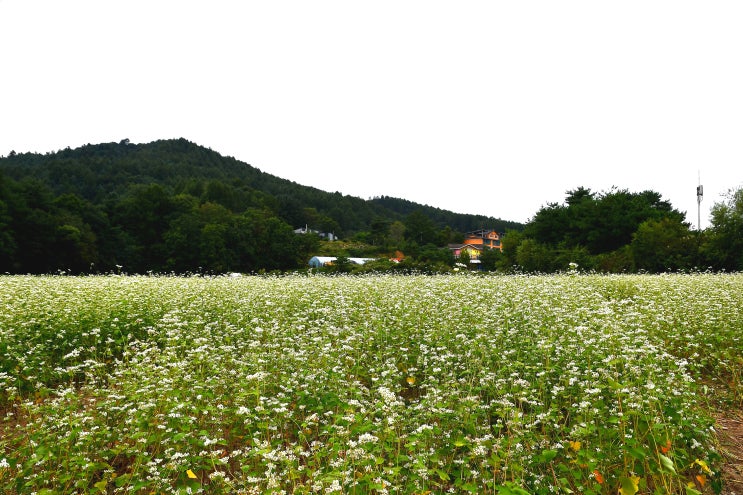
(475, 243)
(484, 239)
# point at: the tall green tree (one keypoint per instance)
(490, 258)
(510, 243)
(552, 224)
(662, 245)
(269, 243)
(7, 239)
(183, 241)
(397, 233)
(419, 228)
(724, 246)
(534, 257)
(35, 228)
(599, 222)
(380, 229)
(7, 236)
(145, 214)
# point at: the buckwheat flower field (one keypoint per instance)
(366, 385)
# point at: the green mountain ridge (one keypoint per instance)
(174, 206)
(100, 172)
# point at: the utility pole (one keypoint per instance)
(700, 193)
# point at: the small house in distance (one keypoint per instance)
(484, 239)
(323, 235)
(475, 243)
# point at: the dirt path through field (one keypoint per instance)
(730, 432)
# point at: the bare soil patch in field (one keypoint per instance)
(730, 433)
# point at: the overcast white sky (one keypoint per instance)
(484, 107)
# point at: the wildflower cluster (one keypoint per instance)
(374, 384)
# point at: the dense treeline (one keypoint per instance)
(144, 230)
(621, 231)
(616, 231)
(172, 205)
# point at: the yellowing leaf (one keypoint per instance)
(704, 466)
(191, 474)
(701, 479)
(629, 485)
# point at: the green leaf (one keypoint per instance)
(123, 479)
(637, 452)
(667, 464)
(442, 475)
(692, 491)
(139, 485)
(548, 455)
(511, 489)
(613, 383)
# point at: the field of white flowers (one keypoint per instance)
(366, 385)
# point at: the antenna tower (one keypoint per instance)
(700, 193)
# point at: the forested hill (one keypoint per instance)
(175, 205)
(101, 172)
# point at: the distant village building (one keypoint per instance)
(472, 251)
(486, 239)
(324, 235)
(475, 243)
